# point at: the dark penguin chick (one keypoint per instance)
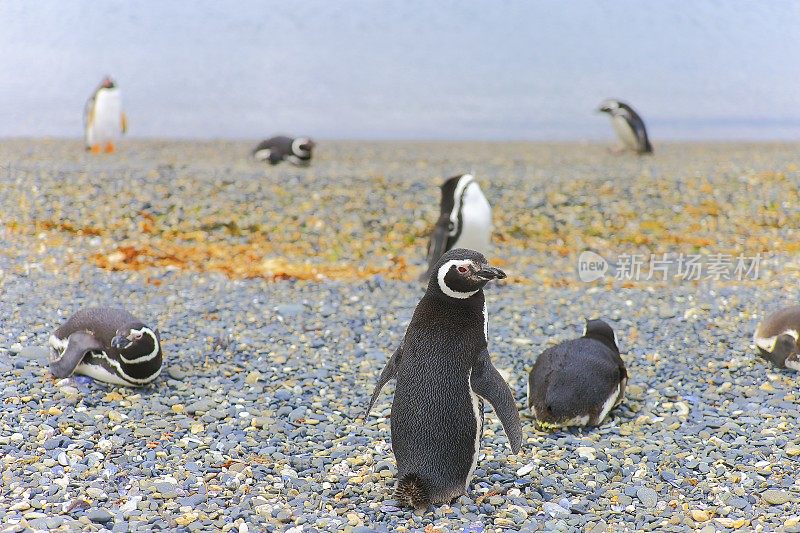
(276, 149)
(465, 220)
(444, 373)
(577, 382)
(109, 345)
(777, 338)
(628, 125)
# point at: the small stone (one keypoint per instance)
(525, 470)
(178, 408)
(554, 510)
(34, 352)
(647, 496)
(253, 377)
(99, 516)
(698, 515)
(186, 519)
(776, 497)
(792, 450)
(587, 452)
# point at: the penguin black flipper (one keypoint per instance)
(489, 384)
(437, 246)
(80, 343)
(389, 372)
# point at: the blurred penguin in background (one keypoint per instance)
(103, 119)
(628, 125)
(296, 151)
(465, 220)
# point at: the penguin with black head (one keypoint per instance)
(444, 373)
(276, 149)
(109, 345)
(776, 338)
(578, 382)
(628, 125)
(465, 220)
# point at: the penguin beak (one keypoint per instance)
(486, 272)
(120, 342)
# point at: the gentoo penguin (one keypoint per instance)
(103, 118)
(296, 151)
(465, 220)
(628, 125)
(109, 345)
(444, 373)
(577, 382)
(777, 338)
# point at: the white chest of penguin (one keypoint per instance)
(107, 115)
(476, 220)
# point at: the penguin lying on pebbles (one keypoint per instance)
(628, 125)
(777, 338)
(465, 220)
(577, 382)
(276, 149)
(109, 345)
(444, 373)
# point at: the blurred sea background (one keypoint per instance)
(405, 69)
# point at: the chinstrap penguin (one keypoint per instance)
(276, 149)
(104, 121)
(628, 125)
(109, 345)
(444, 373)
(578, 382)
(465, 220)
(776, 338)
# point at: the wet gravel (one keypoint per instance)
(254, 425)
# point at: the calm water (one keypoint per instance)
(403, 69)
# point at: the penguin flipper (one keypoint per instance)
(123, 118)
(487, 383)
(78, 345)
(389, 372)
(437, 246)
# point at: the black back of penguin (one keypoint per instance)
(443, 370)
(103, 322)
(577, 382)
(297, 151)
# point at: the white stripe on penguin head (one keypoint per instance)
(444, 269)
(297, 143)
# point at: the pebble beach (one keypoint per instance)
(280, 293)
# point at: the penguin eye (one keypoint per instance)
(462, 269)
(136, 334)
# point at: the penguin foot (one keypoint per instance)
(110, 149)
(95, 148)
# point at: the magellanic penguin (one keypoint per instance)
(628, 125)
(577, 382)
(109, 345)
(296, 151)
(444, 373)
(777, 338)
(465, 220)
(104, 120)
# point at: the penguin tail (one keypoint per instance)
(414, 491)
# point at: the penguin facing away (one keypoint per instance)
(276, 149)
(444, 373)
(578, 382)
(776, 338)
(109, 345)
(104, 121)
(465, 220)
(628, 125)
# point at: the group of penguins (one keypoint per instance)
(442, 367)
(104, 122)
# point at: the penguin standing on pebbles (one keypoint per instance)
(577, 382)
(777, 338)
(443, 373)
(276, 149)
(108, 345)
(465, 220)
(628, 125)
(103, 119)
